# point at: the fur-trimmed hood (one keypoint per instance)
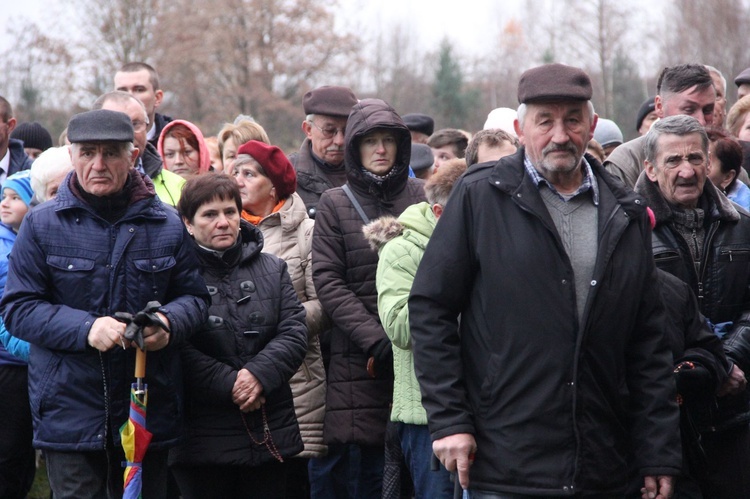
(716, 204)
(417, 218)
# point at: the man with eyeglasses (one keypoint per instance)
(703, 238)
(168, 185)
(320, 161)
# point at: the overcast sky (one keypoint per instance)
(466, 22)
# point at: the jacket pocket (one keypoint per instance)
(70, 264)
(154, 275)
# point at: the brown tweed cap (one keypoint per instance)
(554, 82)
(329, 101)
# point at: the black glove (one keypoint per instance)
(381, 358)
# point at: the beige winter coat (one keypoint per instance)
(288, 235)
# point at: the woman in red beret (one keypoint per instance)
(267, 183)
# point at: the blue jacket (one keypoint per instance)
(12, 350)
(19, 160)
(68, 267)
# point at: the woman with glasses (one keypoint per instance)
(267, 182)
(183, 149)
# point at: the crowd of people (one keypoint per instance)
(535, 309)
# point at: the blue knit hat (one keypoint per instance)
(20, 183)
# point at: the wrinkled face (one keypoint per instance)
(216, 224)
(180, 158)
(443, 154)
(647, 122)
(744, 133)
(257, 191)
(721, 100)
(691, 102)
(556, 135)
(138, 84)
(377, 151)
(12, 209)
(486, 152)
(102, 167)
(137, 117)
(326, 134)
(680, 168)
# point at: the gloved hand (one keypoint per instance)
(381, 358)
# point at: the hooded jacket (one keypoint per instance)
(287, 233)
(71, 266)
(255, 322)
(555, 403)
(401, 244)
(344, 267)
(723, 284)
(204, 157)
(168, 185)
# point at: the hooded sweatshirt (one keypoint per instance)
(204, 157)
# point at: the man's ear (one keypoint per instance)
(519, 132)
(134, 156)
(307, 129)
(11, 124)
(659, 106)
(158, 97)
(594, 121)
(650, 170)
(437, 210)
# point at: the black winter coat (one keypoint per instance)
(723, 285)
(344, 266)
(255, 322)
(554, 405)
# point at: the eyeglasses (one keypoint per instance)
(328, 132)
(139, 126)
(695, 159)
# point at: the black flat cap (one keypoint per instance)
(421, 157)
(329, 101)
(100, 125)
(743, 77)
(417, 122)
(554, 82)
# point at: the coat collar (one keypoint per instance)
(719, 206)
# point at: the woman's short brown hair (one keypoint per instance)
(203, 189)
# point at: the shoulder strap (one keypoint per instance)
(355, 203)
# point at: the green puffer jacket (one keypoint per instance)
(401, 243)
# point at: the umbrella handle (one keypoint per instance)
(140, 363)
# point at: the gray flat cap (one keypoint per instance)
(329, 101)
(421, 157)
(743, 77)
(100, 125)
(417, 122)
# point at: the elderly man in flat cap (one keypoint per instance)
(105, 244)
(558, 368)
(320, 161)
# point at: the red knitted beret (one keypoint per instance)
(275, 164)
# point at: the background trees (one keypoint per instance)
(220, 58)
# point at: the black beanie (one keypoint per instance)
(647, 107)
(33, 135)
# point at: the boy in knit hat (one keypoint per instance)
(17, 472)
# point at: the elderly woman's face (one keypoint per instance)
(258, 194)
(50, 191)
(216, 224)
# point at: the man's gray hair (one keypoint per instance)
(679, 125)
(523, 108)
